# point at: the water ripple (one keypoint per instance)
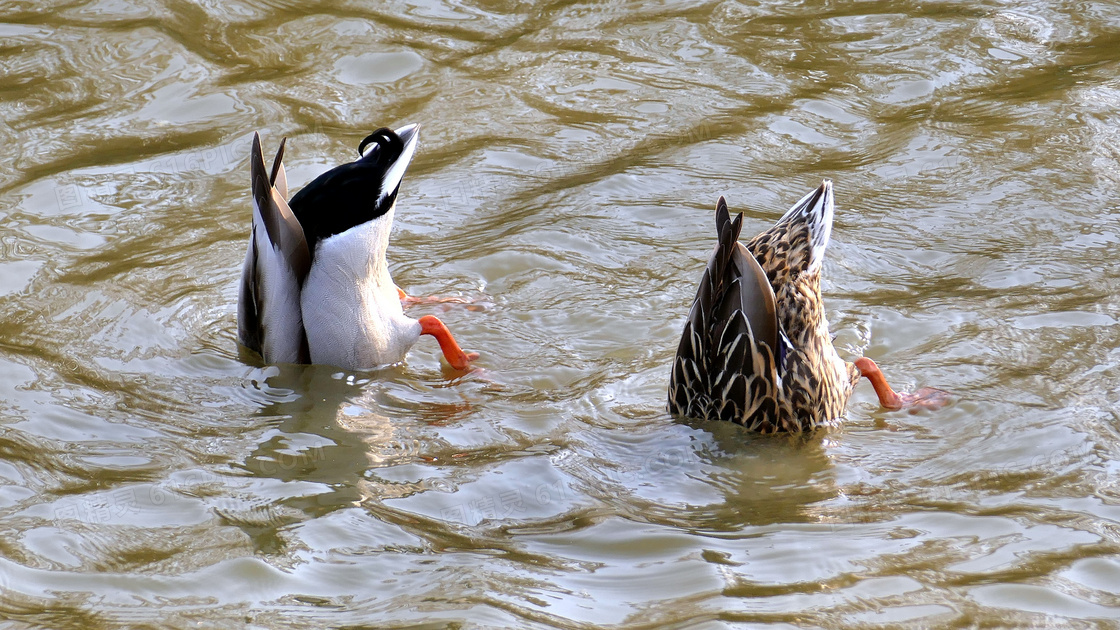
(152, 472)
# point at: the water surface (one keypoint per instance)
(152, 474)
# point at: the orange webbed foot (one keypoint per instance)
(408, 300)
(456, 358)
(925, 398)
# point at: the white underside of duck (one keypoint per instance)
(350, 306)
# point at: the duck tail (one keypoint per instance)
(813, 211)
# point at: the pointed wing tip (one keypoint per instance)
(722, 214)
(257, 170)
(278, 163)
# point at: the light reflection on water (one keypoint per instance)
(571, 155)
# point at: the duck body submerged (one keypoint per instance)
(315, 285)
(756, 348)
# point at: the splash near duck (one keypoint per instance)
(315, 285)
(756, 348)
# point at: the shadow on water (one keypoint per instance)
(332, 435)
(768, 479)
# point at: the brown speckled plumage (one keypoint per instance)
(756, 348)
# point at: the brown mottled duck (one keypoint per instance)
(756, 348)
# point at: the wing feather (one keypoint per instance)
(726, 357)
(279, 178)
(276, 263)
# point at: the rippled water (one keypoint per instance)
(150, 474)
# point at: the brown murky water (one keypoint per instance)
(571, 156)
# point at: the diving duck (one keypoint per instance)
(315, 286)
(756, 348)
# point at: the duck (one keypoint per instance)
(315, 284)
(756, 348)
